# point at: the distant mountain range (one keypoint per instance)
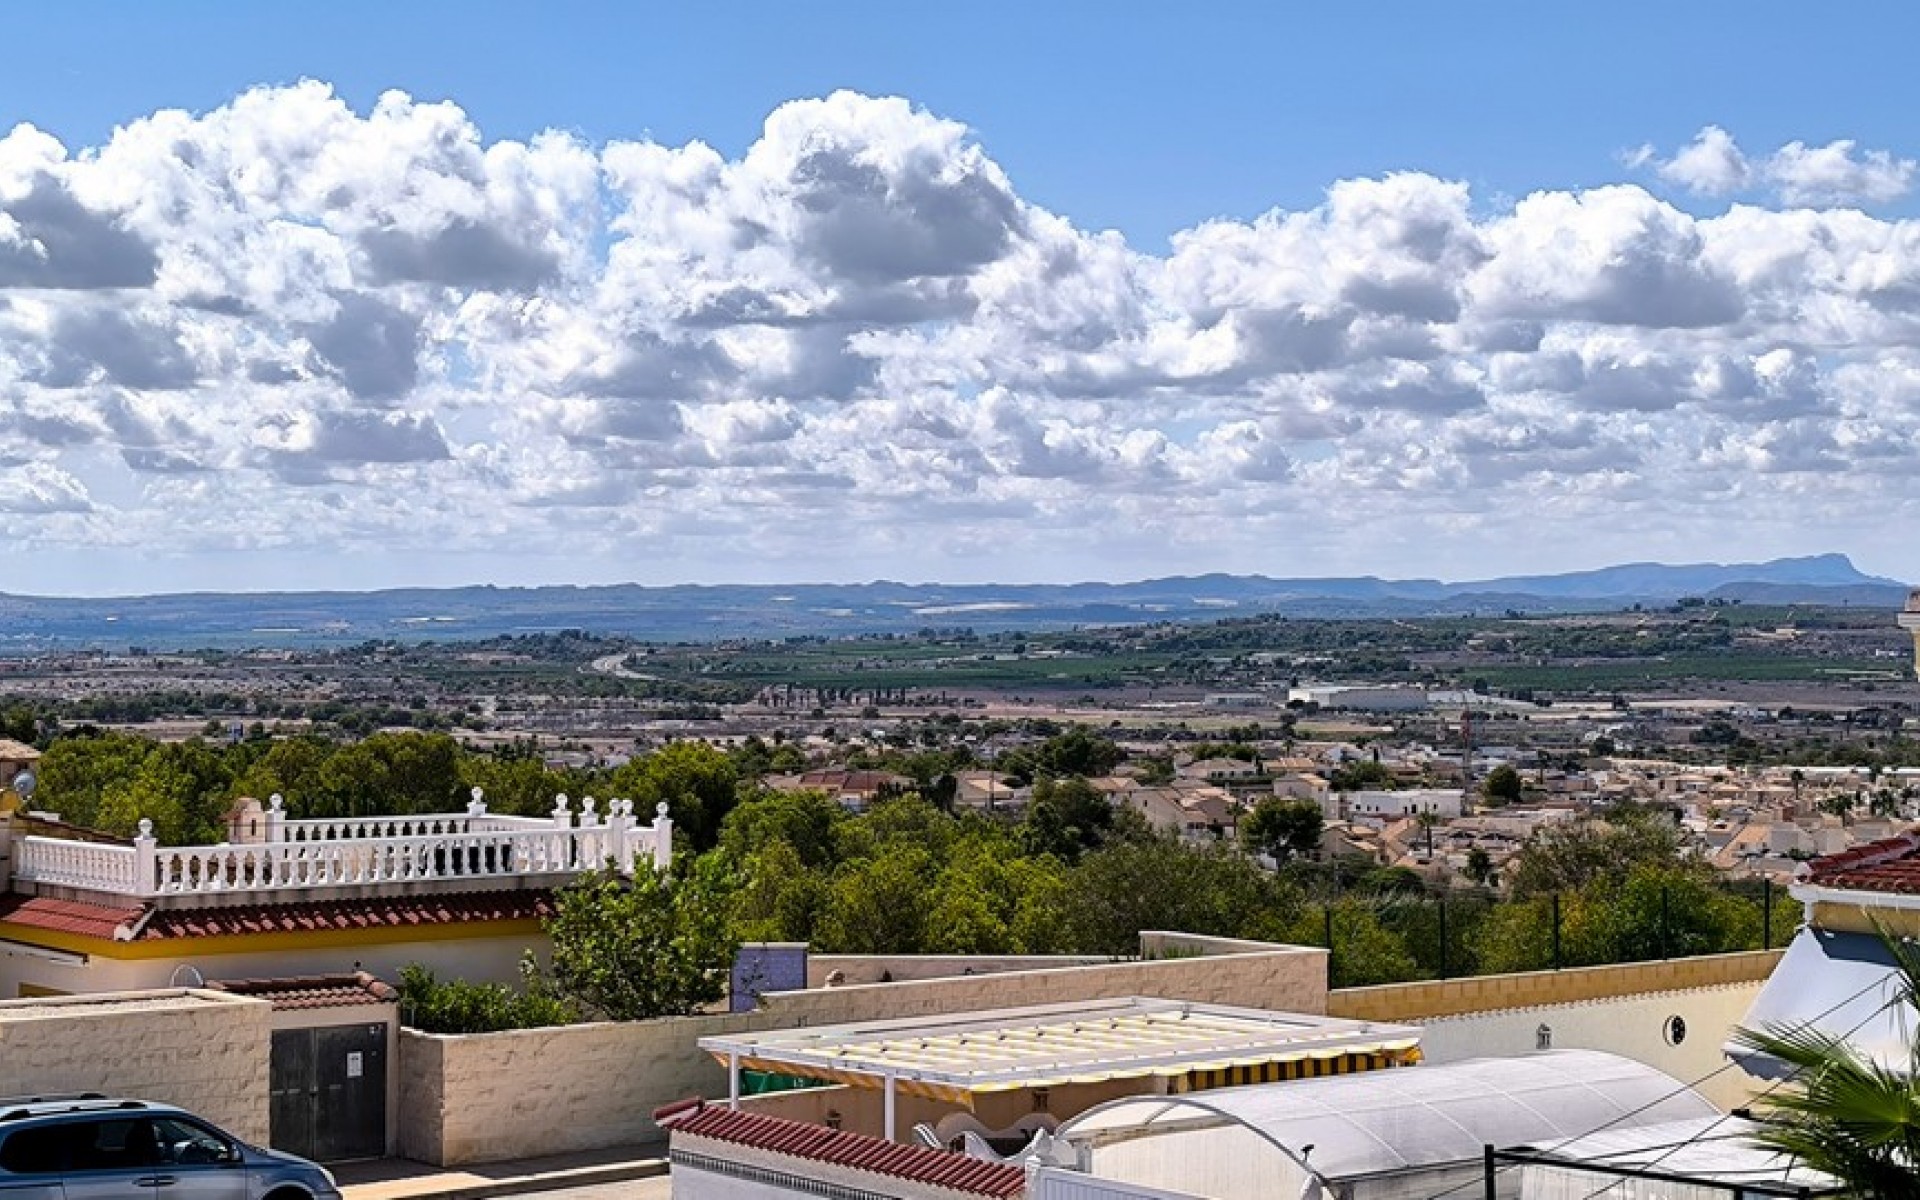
(701, 613)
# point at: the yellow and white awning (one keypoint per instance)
(1190, 1046)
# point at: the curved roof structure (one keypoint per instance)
(1384, 1122)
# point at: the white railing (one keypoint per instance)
(342, 829)
(297, 856)
(101, 868)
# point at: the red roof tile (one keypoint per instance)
(313, 991)
(67, 916)
(1888, 865)
(368, 912)
(854, 1151)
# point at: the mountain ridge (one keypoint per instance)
(701, 612)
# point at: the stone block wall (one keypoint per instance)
(486, 1097)
(204, 1051)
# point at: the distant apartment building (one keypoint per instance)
(1380, 807)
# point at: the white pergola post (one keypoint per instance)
(733, 1080)
(887, 1120)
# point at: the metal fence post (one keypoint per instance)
(1766, 914)
(1326, 911)
(1665, 942)
(1556, 931)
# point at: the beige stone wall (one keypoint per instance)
(492, 1096)
(1492, 993)
(903, 968)
(487, 1097)
(1285, 978)
(204, 1051)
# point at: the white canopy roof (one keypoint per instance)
(1716, 1149)
(1386, 1121)
(960, 1055)
(1843, 985)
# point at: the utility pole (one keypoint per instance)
(1466, 756)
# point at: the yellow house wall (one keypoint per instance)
(131, 966)
(1633, 1027)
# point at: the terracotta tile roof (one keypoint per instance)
(837, 1147)
(313, 991)
(370, 912)
(1888, 865)
(12, 751)
(67, 916)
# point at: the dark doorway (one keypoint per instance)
(328, 1092)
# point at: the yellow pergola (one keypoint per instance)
(1185, 1046)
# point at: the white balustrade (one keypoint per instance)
(91, 865)
(304, 855)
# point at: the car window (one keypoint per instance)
(38, 1150)
(188, 1142)
(113, 1144)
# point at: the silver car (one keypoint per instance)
(89, 1147)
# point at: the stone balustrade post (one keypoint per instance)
(586, 843)
(144, 871)
(562, 819)
(662, 838)
(477, 807)
(619, 833)
(276, 818)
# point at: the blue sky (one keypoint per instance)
(1505, 291)
(1145, 118)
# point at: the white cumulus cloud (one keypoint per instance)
(857, 349)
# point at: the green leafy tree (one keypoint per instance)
(1364, 951)
(1282, 829)
(807, 821)
(1075, 751)
(1066, 818)
(781, 898)
(879, 905)
(458, 1006)
(1564, 858)
(1159, 882)
(1502, 786)
(1480, 868)
(18, 723)
(699, 784)
(290, 766)
(654, 945)
(77, 772)
(1855, 1118)
(1362, 774)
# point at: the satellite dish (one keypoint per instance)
(186, 975)
(24, 783)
